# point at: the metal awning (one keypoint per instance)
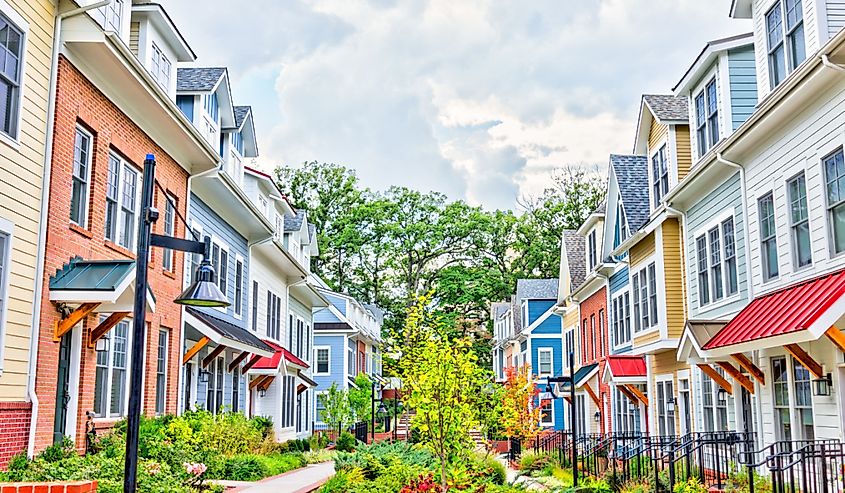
(110, 283)
(226, 334)
(272, 363)
(625, 369)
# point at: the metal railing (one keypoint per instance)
(814, 466)
(709, 456)
(360, 430)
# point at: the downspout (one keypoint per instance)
(747, 240)
(45, 198)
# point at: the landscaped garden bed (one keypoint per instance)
(177, 454)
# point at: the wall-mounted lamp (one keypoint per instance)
(204, 376)
(262, 391)
(597, 417)
(722, 395)
(671, 401)
(822, 386)
(102, 344)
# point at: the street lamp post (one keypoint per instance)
(574, 421)
(373, 410)
(203, 291)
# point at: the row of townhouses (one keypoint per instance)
(88, 90)
(707, 292)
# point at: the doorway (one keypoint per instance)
(62, 388)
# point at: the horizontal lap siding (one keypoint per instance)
(649, 338)
(725, 196)
(835, 16)
(657, 134)
(555, 343)
(263, 272)
(618, 280)
(536, 309)
(684, 149)
(662, 364)
(642, 250)
(20, 200)
(743, 79)
(799, 146)
(673, 278)
(337, 374)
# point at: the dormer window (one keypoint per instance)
(707, 118)
(621, 230)
(109, 16)
(784, 57)
(659, 175)
(592, 254)
(238, 142)
(160, 67)
(212, 108)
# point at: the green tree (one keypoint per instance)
(337, 414)
(360, 398)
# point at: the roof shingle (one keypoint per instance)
(536, 289)
(198, 78)
(575, 251)
(240, 115)
(632, 176)
(667, 106)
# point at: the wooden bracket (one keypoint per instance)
(250, 364)
(262, 382)
(716, 377)
(592, 393)
(836, 337)
(195, 349)
(568, 399)
(749, 366)
(105, 326)
(737, 375)
(638, 393)
(235, 362)
(805, 359)
(64, 325)
(213, 354)
(628, 394)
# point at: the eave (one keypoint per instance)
(220, 192)
(588, 223)
(707, 57)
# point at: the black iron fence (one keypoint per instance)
(360, 430)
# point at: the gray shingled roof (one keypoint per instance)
(312, 232)
(574, 245)
(240, 115)
(515, 314)
(668, 107)
(294, 223)
(632, 176)
(600, 209)
(536, 289)
(198, 79)
(498, 308)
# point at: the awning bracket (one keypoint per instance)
(637, 393)
(836, 337)
(737, 375)
(64, 325)
(717, 377)
(749, 366)
(105, 326)
(195, 349)
(235, 362)
(592, 394)
(213, 354)
(805, 359)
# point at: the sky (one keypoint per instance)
(480, 100)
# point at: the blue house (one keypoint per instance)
(347, 336)
(217, 342)
(540, 340)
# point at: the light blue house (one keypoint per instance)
(347, 336)
(217, 341)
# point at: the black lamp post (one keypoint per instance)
(550, 390)
(203, 292)
(373, 410)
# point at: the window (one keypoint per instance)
(780, 390)
(547, 413)
(544, 362)
(169, 230)
(712, 113)
(591, 250)
(717, 281)
(569, 347)
(593, 336)
(323, 355)
(109, 16)
(214, 394)
(210, 104)
(110, 374)
(11, 52)
(601, 333)
(803, 401)
(239, 287)
(6, 229)
(193, 259)
(703, 278)
(701, 124)
(112, 195)
(728, 238)
(665, 407)
(128, 205)
(81, 178)
(620, 313)
(715, 412)
(186, 104)
(834, 174)
(621, 228)
(799, 222)
(320, 408)
(161, 370)
(660, 175)
(300, 337)
(288, 391)
(238, 142)
(161, 67)
(274, 316)
(707, 118)
(236, 389)
(255, 306)
(625, 413)
(768, 239)
(785, 58)
(644, 285)
(290, 331)
(223, 272)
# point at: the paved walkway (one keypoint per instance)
(300, 481)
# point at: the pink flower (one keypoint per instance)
(195, 468)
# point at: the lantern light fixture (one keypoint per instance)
(822, 386)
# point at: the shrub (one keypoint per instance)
(244, 468)
(58, 451)
(342, 481)
(264, 426)
(318, 456)
(345, 442)
(530, 462)
(299, 445)
(693, 485)
(490, 470)
(424, 483)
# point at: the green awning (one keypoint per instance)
(108, 282)
(581, 375)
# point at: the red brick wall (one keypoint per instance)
(58, 487)
(78, 102)
(14, 429)
(596, 306)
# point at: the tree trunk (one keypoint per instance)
(443, 473)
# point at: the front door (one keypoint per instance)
(189, 377)
(62, 388)
(685, 405)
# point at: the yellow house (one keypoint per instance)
(26, 45)
(656, 265)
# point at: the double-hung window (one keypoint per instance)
(715, 240)
(659, 175)
(703, 276)
(665, 407)
(768, 236)
(799, 223)
(621, 313)
(544, 364)
(785, 39)
(161, 67)
(214, 392)
(322, 357)
(593, 351)
(300, 337)
(714, 409)
(274, 316)
(111, 371)
(592, 254)
(635, 291)
(161, 370)
(239, 287)
(621, 228)
(121, 202)
(716, 262)
(11, 52)
(712, 113)
(169, 230)
(834, 174)
(701, 124)
(729, 240)
(236, 389)
(707, 117)
(644, 286)
(792, 400)
(547, 415)
(255, 306)
(81, 186)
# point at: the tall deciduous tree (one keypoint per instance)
(520, 414)
(337, 414)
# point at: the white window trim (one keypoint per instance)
(551, 354)
(186, 259)
(316, 361)
(168, 252)
(551, 414)
(642, 268)
(317, 395)
(660, 145)
(166, 372)
(125, 405)
(85, 211)
(8, 228)
(726, 298)
(825, 152)
(222, 245)
(280, 338)
(620, 295)
(244, 279)
(21, 24)
(662, 379)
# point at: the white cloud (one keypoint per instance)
(478, 99)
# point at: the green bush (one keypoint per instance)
(531, 462)
(318, 456)
(490, 470)
(342, 481)
(345, 442)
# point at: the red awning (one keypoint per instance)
(784, 312)
(280, 353)
(625, 369)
